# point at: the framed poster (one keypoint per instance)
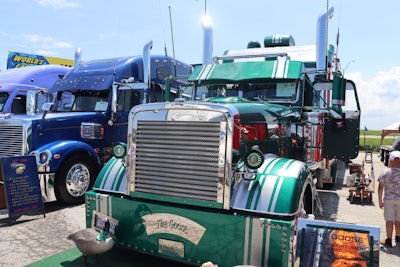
(331, 244)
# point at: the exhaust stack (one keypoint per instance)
(322, 38)
(146, 65)
(207, 40)
(78, 57)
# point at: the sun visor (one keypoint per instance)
(95, 82)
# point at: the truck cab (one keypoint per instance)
(73, 137)
(298, 111)
(15, 85)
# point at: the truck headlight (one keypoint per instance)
(119, 150)
(254, 158)
(44, 157)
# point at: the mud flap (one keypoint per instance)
(317, 202)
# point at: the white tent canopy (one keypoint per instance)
(392, 128)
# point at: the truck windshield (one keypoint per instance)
(3, 100)
(82, 101)
(285, 91)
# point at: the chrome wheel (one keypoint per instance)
(77, 180)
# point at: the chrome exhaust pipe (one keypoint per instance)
(78, 57)
(322, 38)
(146, 65)
(207, 40)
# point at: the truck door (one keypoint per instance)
(127, 97)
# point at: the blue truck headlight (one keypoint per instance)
(43, 157)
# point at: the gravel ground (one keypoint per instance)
(32, 238)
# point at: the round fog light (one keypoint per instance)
(119, 150)
(254, 158)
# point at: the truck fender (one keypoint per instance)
(59, 151)
(112, 177)
(278, 188)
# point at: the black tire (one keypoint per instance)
(307, 201)
(75, 177)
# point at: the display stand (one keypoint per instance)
(21, 186)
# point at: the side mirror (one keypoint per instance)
(30, 102)
(338, 87)
(47, 106)
(113, 104)
(339, 91)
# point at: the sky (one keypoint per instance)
(368, 35)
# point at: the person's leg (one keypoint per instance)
(389, 212)
(389, 229)
(397, 231)
(389, 233)
(397, 222)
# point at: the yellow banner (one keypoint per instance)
(18, 59)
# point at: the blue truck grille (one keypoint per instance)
(11, 140)
(180, 159)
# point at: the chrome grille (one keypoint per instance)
(179, 158)
(11, 140)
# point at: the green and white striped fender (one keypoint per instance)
(277, 188)
(112, 177)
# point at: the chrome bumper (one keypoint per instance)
(47, 186)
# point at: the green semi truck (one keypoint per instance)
(223, 173)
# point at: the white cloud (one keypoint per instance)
(58, 4)
(44, 41)
(35, 38)
(379, 97)
(62, 44)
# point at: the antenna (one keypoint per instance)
(172, 32)
(172, 37)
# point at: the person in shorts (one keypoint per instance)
(389, 198)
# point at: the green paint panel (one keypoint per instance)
(289, 199)
(192, 234)
(112, 177)
(178, 200)
(247, 71)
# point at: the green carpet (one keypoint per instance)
(115, 257)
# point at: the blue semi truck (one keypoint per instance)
(72, 139)
(16, 85)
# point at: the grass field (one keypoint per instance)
(372, 139)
